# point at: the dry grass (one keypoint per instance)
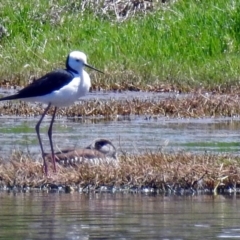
(158, 172)
(192, 105)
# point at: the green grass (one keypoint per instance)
(187, 42)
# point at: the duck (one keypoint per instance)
(99, 151)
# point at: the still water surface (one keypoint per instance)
(129, 135)
(118, 216)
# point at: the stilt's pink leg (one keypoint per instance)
(39, 138)
(50, 139)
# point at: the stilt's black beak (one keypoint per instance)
(89, 66)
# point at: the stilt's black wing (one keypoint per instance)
(48, 83)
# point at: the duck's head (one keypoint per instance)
(104, 146)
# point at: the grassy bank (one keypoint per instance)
(187, 43)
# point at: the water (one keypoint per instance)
(118, 216)
(132, 134)
(129, 135)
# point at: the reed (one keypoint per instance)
(188, 106)
(158, 172)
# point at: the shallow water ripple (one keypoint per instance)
(131, 135)
(117, 216)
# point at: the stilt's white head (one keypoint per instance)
(76, 60)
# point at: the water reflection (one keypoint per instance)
(111, 216)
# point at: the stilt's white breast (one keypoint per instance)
(68, 94)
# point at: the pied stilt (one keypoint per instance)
(58, 88)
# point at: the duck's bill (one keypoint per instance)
(89, 66)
